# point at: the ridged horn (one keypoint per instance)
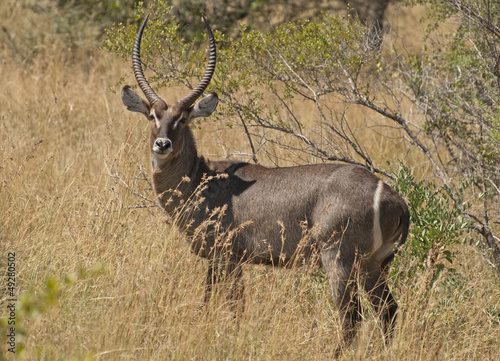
(137, 67)
(188, 100)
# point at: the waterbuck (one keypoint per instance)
(340, 215)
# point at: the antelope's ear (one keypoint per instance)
(134, 102)
(205, 106)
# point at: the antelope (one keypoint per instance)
(341, 215)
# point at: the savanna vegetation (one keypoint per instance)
(102, 274)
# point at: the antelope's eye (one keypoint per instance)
(153, 116)
(182, 119)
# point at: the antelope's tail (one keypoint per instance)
(404, 226)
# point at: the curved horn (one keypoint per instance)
(137, 67)
(188, 100)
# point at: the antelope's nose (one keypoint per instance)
(163, 144)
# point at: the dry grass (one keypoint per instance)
(98, 280)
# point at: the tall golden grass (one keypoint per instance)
(97, 279)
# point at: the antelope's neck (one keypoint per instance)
(175, 180)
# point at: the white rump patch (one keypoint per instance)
(377, 231)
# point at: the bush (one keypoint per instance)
(437, 225)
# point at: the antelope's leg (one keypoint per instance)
(232, 273)
(212, 278)
(342, 275)
(382, 300)
(236, 294)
